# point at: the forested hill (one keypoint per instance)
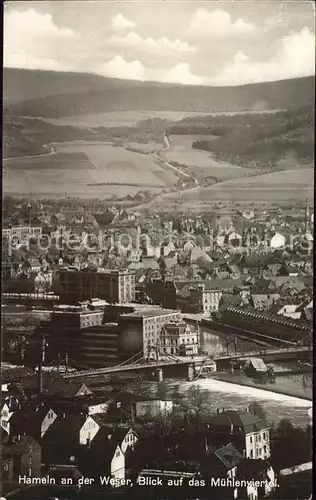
(87, 94)
(279, 141)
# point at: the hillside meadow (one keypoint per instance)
(287, 186)
(200, 164)
(109, 170)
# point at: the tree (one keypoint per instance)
(190, 273)
(197, 401)
(257, 410)
(162, 389)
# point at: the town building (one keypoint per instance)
(6, 473)
(79, 333)
(22, 233)
(5, 418)
(275, 325)
(151, 408)
(162, 292)
(203, 299)
(62, 442)
(178, 338)
(33, 421)
(26, 455)
(65, 316)
(107, 453)
(141, 330)
(249, 433)
(113, 286)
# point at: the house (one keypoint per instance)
(224, 460)
(204, 299)
(63, 440)
(277, 241)
(248, 432)
(89, 405)
(5, 418)
(177, 337)
(35, 265)
(252, 471)
(67, 389)
(106, 455)
(6, 473)
(152, 408)
(290, 311)
(263, 301)
(33, 421)
(222, 463)
(25, 452)
(126, 438)
(198, 254)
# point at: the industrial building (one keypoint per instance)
(113, 286)
(141, 330)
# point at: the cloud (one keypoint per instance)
(217, 22)
(30, 38)
(119, 68)
(119, 22)
(181, 73)
(295, 57)
(135, 41)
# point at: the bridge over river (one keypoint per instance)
(186, 367)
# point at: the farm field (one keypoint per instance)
(65, 161)
(120, 172)
(290, 185)
(200, 164)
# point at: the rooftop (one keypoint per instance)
(246, 421)
(149, 313)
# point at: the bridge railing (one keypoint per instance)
(122, 368)
(265, 352)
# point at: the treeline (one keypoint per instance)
(73, 97)
(25, 137)
(278, 140)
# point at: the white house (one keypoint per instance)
(88, 430)
(254, 430)
(33, 421)
(203, 299)
(118, 464)
(5, 418)
(277, 241)
(289, 311)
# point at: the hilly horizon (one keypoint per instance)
(51, 94)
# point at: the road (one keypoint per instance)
(178, 170)
(52, 152)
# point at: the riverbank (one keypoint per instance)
(242, 380)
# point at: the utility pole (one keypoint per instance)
(40, 366)
(66, 362)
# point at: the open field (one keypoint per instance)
(58, 161)
(112, 170)
(200, 164)
(130, 118)
(290, 185)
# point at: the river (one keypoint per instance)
(226, 395)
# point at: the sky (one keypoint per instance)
(188, 42)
